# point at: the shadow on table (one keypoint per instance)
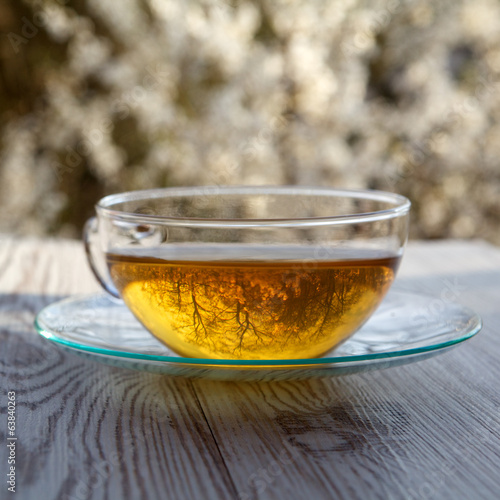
(23, 351)
(15, 303)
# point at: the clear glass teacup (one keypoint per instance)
(249, 272)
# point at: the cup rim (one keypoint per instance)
(401, 205)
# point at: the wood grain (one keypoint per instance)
(430, 430)
(86, 430)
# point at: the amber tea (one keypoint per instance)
(248, 308)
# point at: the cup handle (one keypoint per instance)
(95, 257)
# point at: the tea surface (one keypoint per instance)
(252, 309)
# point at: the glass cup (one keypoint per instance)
(249, 272)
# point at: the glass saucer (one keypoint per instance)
(407, 327)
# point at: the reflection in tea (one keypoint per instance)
(252, 309)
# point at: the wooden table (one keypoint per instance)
(428, 430)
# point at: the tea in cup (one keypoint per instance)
(249, 272)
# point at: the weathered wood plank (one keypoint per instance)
(85, 430)
(429, 430)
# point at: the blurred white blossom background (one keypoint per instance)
(101, 96)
